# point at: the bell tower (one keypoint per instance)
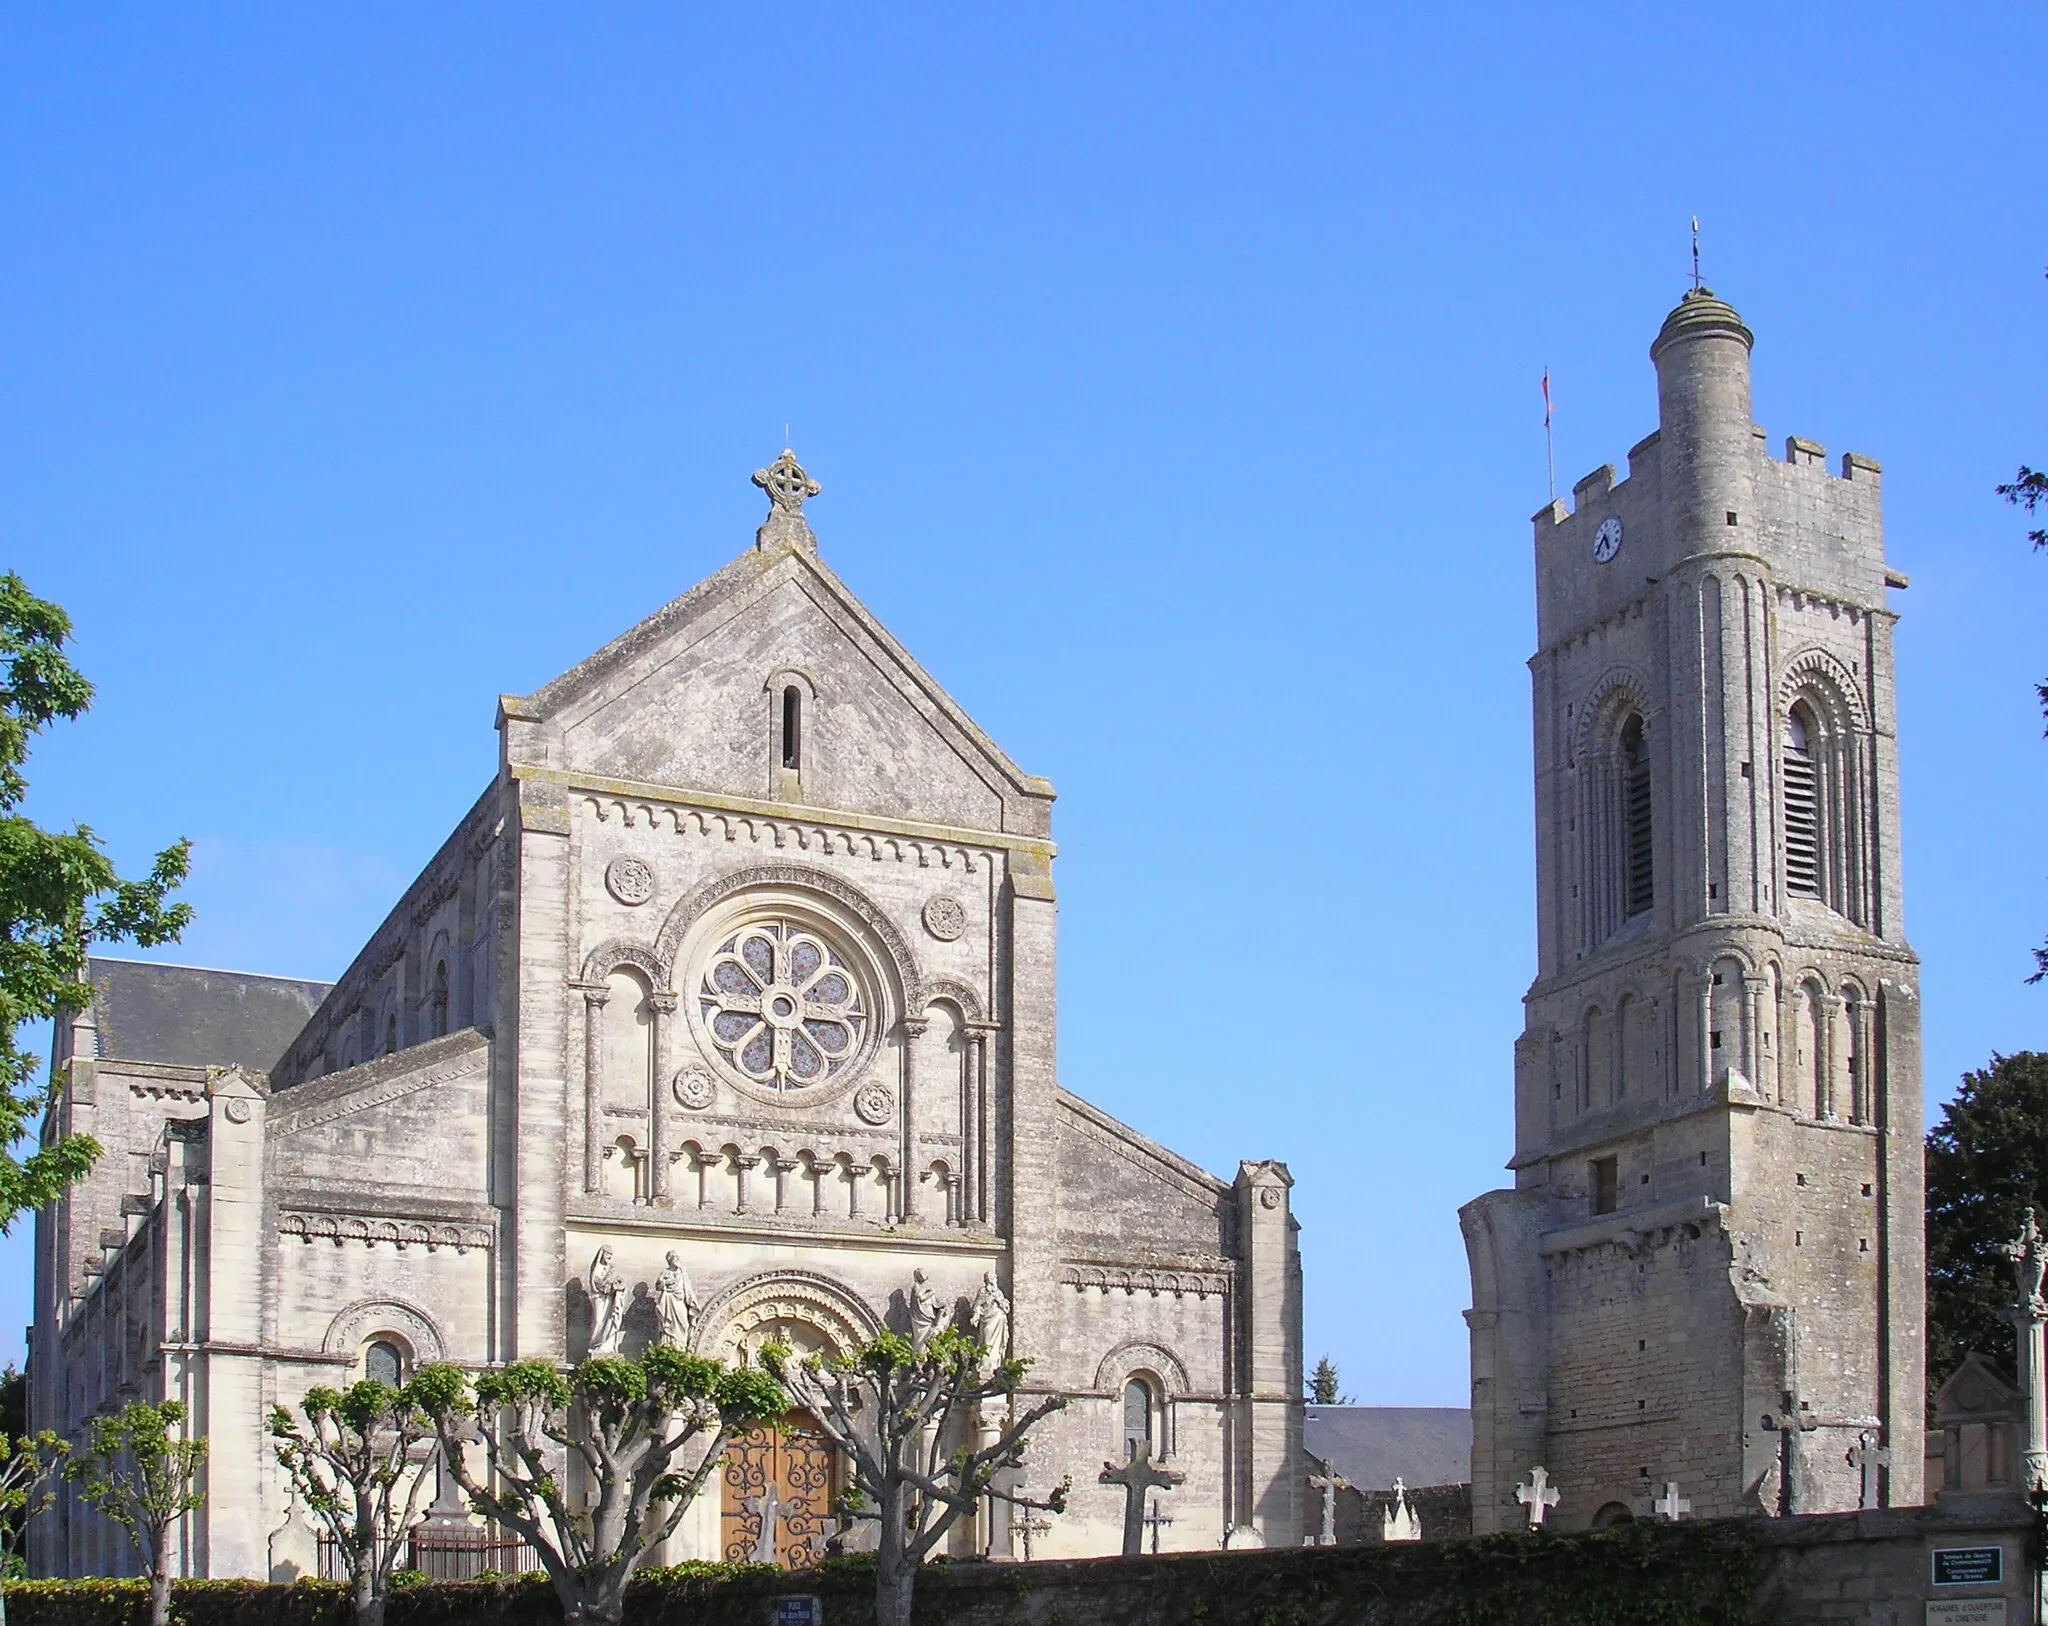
(1709, 1267)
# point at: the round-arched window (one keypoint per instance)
(782, 1006)
(1138, 1417)
(384, 1362)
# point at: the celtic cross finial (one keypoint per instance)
(786, 483)
(787, 486)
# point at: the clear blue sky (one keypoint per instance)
(1171, 372)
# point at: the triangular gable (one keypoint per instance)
(781, 580)
(1976, 1391)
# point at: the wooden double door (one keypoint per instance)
(785, 1471)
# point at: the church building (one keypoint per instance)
(728, 1007)
(1704, 1292)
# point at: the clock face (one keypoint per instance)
(1607, 540)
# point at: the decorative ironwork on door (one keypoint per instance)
(786, 1474)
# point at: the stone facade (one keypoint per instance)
(1709, 1269)
(745, 960)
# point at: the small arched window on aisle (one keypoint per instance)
(384, 1362)
(792, 727)
(1139, 1418)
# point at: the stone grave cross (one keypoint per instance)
(1025, 1523)
(1138, 1476)
(769, 1506)
(1867, 1457)
(1794, 1420)
(1539, 1496)
(1329, 1482)
(1399, 1523)
(1155, 1521)
(1671, 1506)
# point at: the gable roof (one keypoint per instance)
(191, 1016)
(598, 677)
(1372, 1446)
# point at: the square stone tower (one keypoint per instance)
(1709, 1268)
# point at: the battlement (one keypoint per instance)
(1600, 485)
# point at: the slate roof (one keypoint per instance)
(193, 1017)
(1373, 1445)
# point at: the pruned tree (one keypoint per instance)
(138, 1469)
(28, 1474)
(59, 895)
(647, 1432)
(906, 1414)
(362, 1464)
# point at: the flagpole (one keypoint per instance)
(1549, 453)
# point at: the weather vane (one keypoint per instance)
(1695, 253)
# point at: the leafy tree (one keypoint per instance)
(649, 1433)
(363, 1465)
(894, 1409)
(1323, 1385)
(28, 1469)
(2028, 490)
(1987, 1163)
(138, 1470)
(59, 895)
(13, 1402)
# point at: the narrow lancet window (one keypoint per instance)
(1802, 807)
(1639, 886)
(792, 727)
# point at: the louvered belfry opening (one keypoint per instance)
(1639, 884)
(1802, 807)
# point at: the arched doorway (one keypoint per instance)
(787, 1470)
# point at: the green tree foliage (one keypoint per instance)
(1324, 1385)
(912, 1423)
(647, 1434)
(363, 1465)
(138, 1470)
(59, 895)
(1987, 1164)
(28, 1472)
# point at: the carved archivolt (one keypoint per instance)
(1619, 689)
(950, 991)
(614, 952)
(1818, 675)
(366, 1318)
(798, 878)
(1136, 1355)
(755, 1310)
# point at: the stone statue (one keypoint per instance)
(2029, 1256)
(927, 1315)
(992, 1319)
(607, 1304)
(675, 1304)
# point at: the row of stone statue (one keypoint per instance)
(676, 1308)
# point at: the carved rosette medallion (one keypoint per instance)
(1269, 1197)
(694, 1089)
(875, 1103)
(945, 917)
(237, 1110)
(630, 880)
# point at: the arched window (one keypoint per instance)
(440, 998)
(1638, 884)
(390, 1033)
(384, 1362)
(1138, 1418)
(1802, 805)
(792, 726)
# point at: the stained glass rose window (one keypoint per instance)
(781, 1006)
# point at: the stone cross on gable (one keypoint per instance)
(1867, 1457)
(1155, 1521)
(1539, 1496)
(1138, 1476)
(1329, 1482)
(787, 486)
(1671, 1506)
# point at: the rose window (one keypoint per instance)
(782, 1008)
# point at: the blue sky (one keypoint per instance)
(1172, 376)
